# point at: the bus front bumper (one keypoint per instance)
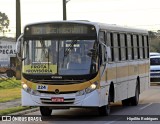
(92, 99)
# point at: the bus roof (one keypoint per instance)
(103, 26)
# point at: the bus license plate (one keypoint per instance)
(57, 99)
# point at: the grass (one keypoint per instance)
(13, 110)
(10, 94)
(9, 83)
(10, 89)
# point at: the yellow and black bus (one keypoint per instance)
(82, 64)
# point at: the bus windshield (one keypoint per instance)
(60, 57)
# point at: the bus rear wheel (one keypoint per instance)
(134, 100)
(45, 111)
(126, 102)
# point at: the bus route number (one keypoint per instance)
(42, 87)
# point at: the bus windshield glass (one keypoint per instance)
(60, 57)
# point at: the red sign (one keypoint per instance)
(57, 99)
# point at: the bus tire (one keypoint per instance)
(105, 110)
(10, 73)
(135, 99)
(126, 102)
(45, 111)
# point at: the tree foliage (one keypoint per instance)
(4, 22)
(154, 41)
(152, 34)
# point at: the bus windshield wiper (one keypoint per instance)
(70, 47)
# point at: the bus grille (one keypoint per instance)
(49, 101)
(53, 92)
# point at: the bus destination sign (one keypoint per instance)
(43, 29)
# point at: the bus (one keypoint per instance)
(82, 64)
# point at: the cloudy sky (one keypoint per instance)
(135, 13)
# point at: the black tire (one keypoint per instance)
(135, 99)
(10, 73)
(126, 102)
(45, 111)
(105, 110)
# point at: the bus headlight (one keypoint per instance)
(80, 93)
(24, 86)
(91, 88)
(29, 90)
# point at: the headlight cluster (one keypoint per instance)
(89, 89)
(29, 90)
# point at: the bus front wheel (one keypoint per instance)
(45, 111)
(105, 110)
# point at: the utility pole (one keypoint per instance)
(64, 10)
(18, 33)
(18, 19)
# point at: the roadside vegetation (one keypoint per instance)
(10, 89)
(154, 41)
(12, 110)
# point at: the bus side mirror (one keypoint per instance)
(18, 47)
(108, 50)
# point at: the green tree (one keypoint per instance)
(4, 23)
(154, 41)
(152, 34)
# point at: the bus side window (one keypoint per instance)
(126, 48)
(147, 39)
(146, 47)
(115, 45)
(119, 47)
(112, 47)
(108, 43)
(129, 46)
(135, 46)
(140, 47)
(122, 47)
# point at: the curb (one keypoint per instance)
(25, 111)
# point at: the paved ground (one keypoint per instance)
(15, 103)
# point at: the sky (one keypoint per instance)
(133, 13)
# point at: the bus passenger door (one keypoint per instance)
(102, 64)
(102, 53)
(103, 58)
